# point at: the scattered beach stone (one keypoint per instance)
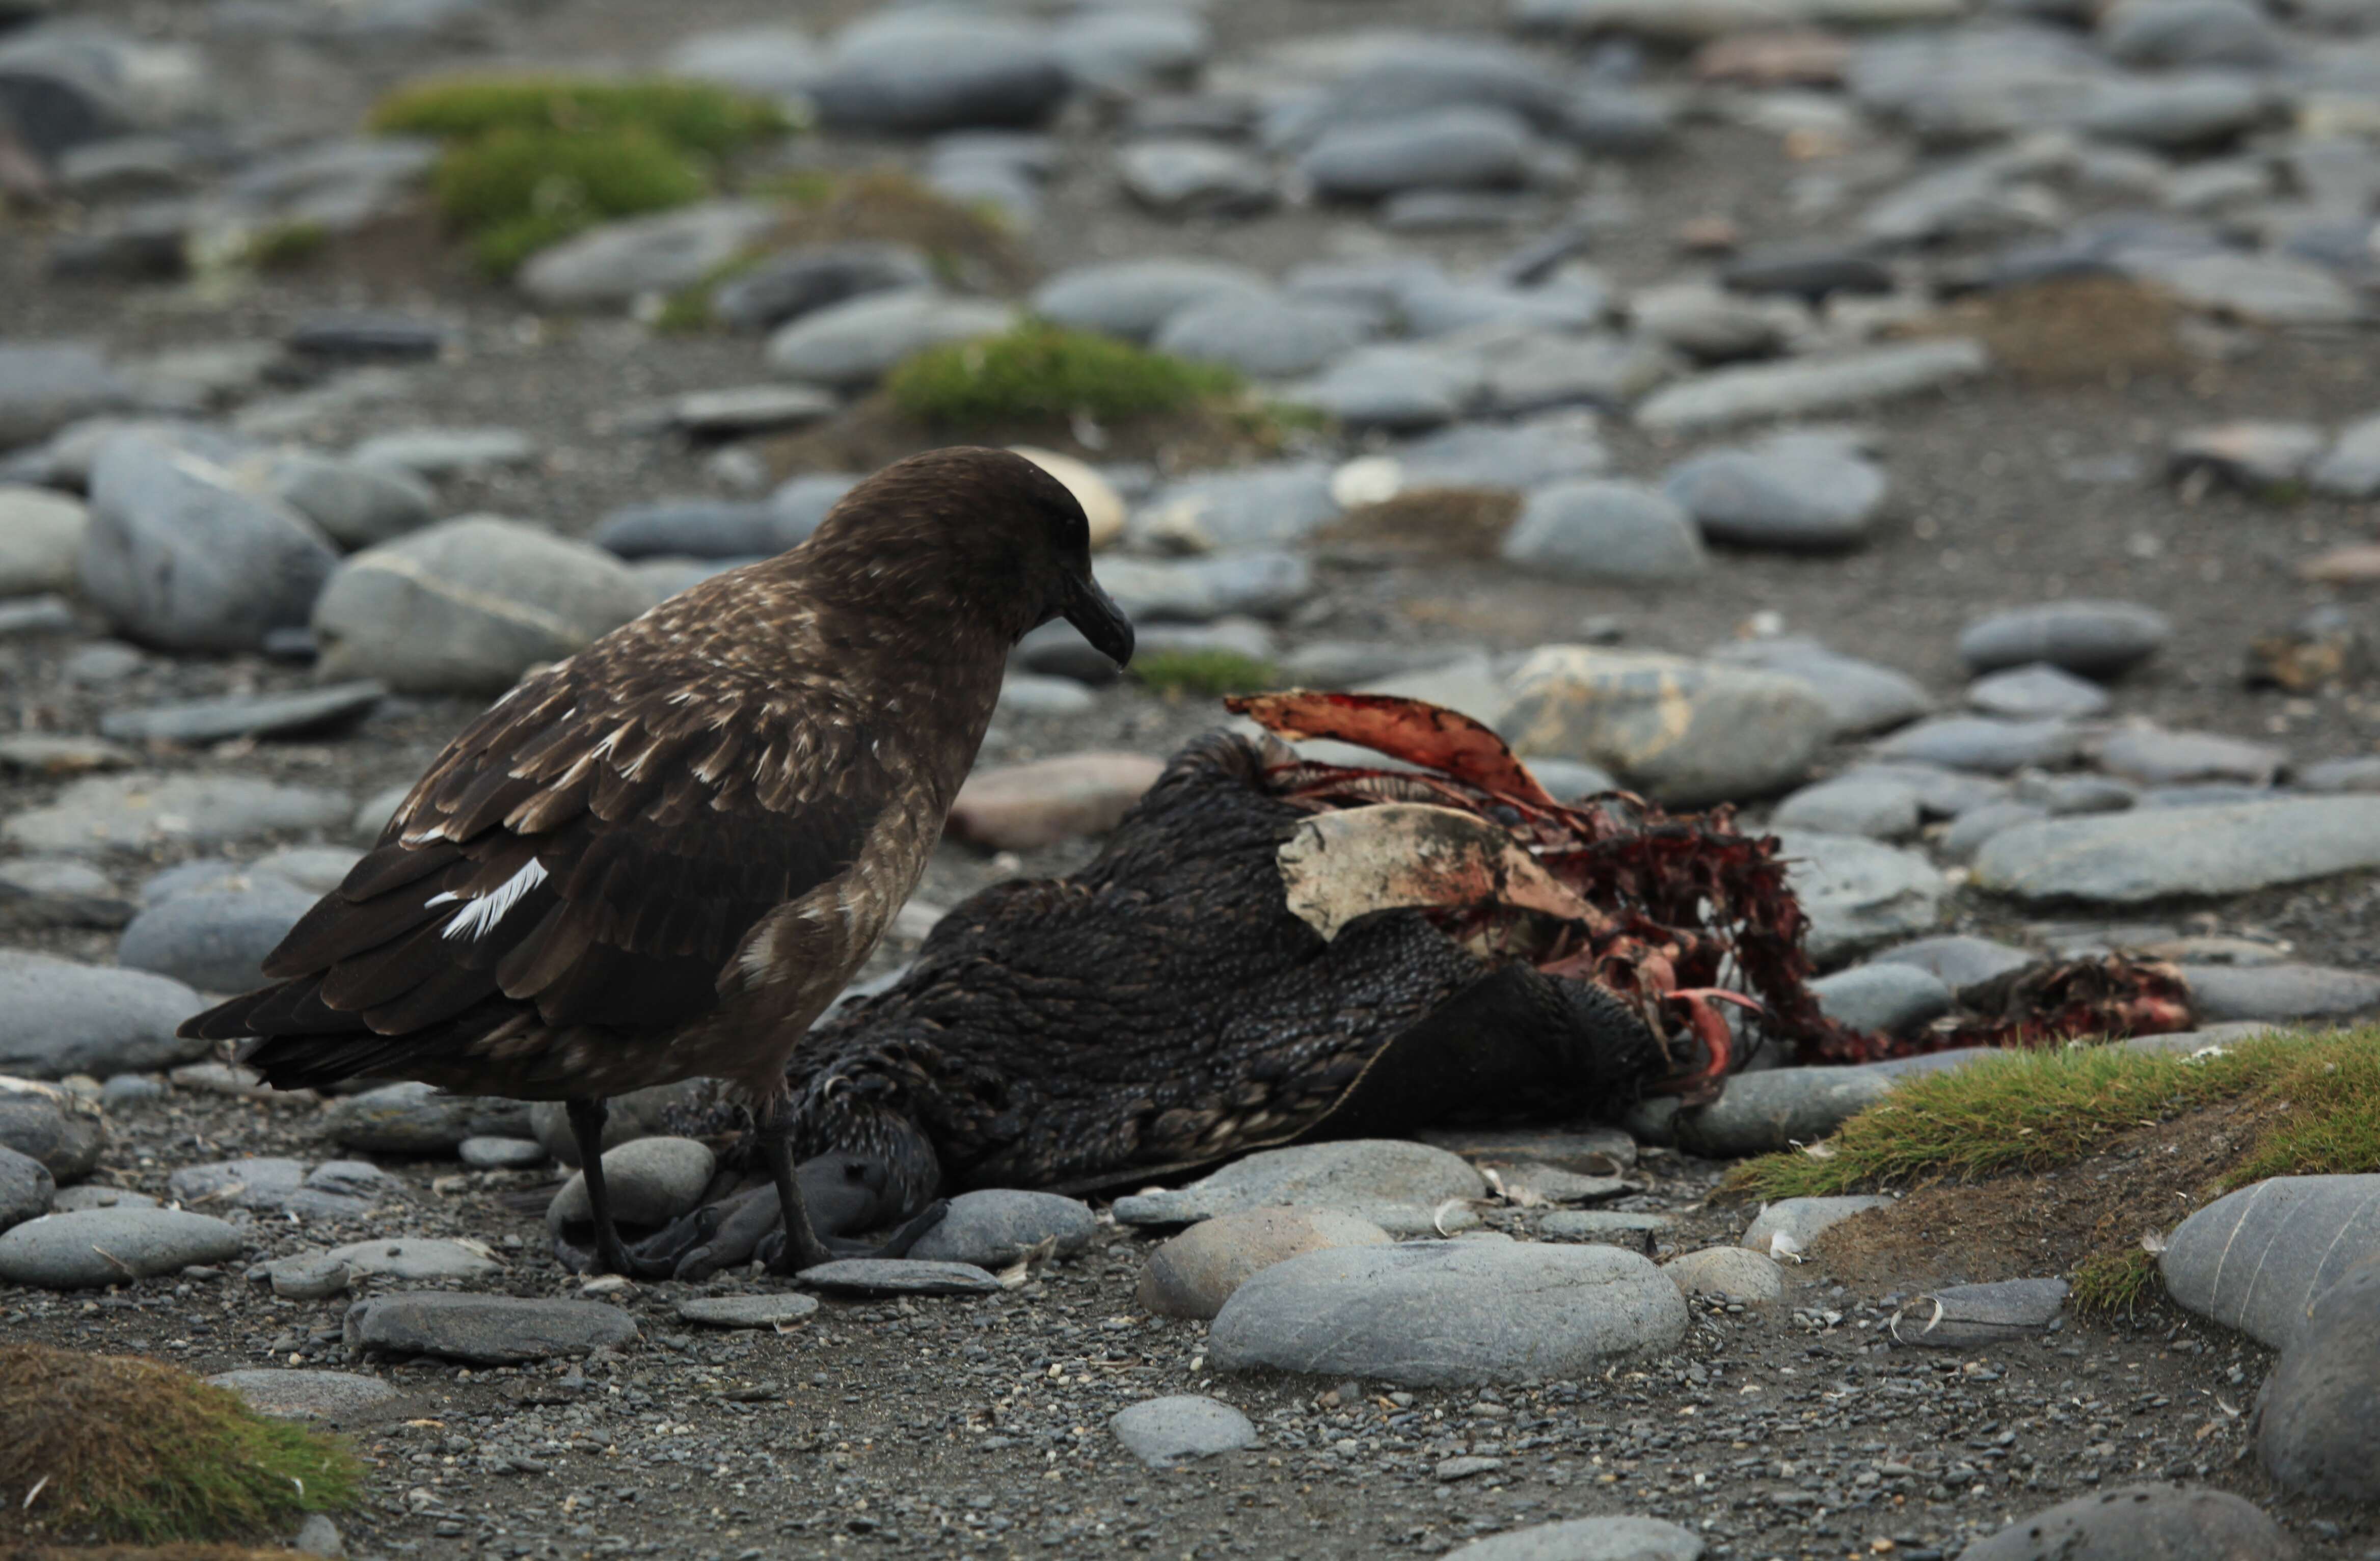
(2260, 1258)
(615, 263)
(194, 723)
(41, 540)
(72, 1200)
(1194, 1273)
(1538, 372)
(102, 1247)
(1587, 1539)
(484, 1330)
(1966, 1316)
(2252, 455)
(501, 1154)
(1798, 494)
(917, 73)
(2225, 993)
(467, 606)
(417, 1259)
(446, 452)
(1983, 743)
(1734, 1273)
(1132, 299)
(1888, 999)
(640, 1113)
(651, 1181)
(2351, 469)
(58, 1017)
(63, 1131)
(900, 1276)
(1020, 807)
(2156, 757)
(1162, 1433)
(414, 1119)
(993, 1228)
(1801, 1221)
(1445, 1314)
(2151, 1522)
(1256, 507)
(1395, 1184)
(2095, 639)
(1874, 806)
(46, 386)
(2312, 1423)
(1461, 147)
(1262, 584)
(293, 1394)
(1862, 696)
(1764, 1112)
(1958, 960)
(139, 812)
(177, 554)
(2130, 857)
(1615, 1227)
(305, 1277)
(1588, 1151)
(1191, 176)
(1685, 733)
(270, 1185)
(1969, 832)
(59, 891)
(214, 939)
(1808, 270)
(2259, 289)
(25, 1187)
(1024, 694)
(853, 343)
(354, 504)
(1594, 531)
(810, 277)
(1806, 386)
(1859, 893)
(747, 1312)
(2038, 692)
(1267, 336)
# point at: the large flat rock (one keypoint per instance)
(2160, 853)
(1443, 1314)
(484, 1330)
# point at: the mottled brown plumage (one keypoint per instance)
(664, 855)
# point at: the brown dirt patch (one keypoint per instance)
(2078, 330)
(1429, 523)
(2045, 1222)
(872, 433)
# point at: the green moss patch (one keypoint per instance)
(684, 113)
(532, 160)
(1039, 369)
(1205, 674)
(139, 1450)
(2065, 1160)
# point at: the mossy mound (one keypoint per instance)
(683, 113)
(141, 1451)
(1204, 674)
(2070, 1156)
(532, 160)
(1042, 371)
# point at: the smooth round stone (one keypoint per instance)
(1263, 583)
(2154, 1522)
(996, 1227)
(1735, 1273)
(2154, 853)
(1587, 1539)
(923, 72)
(652, 1182)
(2313, 1422)
(100, 1247)
(1805, 495)
(2156, 757)
(1862, 696)
(1027, 693)
(1966, 1316)
(2308, 1234)
(500, 1154)
(1265, 338)
(1873, 806)
(1983, 744)
(2096, 639)
(1614, 1225)
(2280, 992)
(1968, 834)
(1190, 176)
(900, 1276)
(1161, 1433)
(2038, 692)
(63, 1131)
(1882, 999)
(1440, 1313)
(747, 1312)
(74, 1199)
(1802, 1220)
(307, 1276)
(1395, 1184)
(25, 1187)
(1957, 960)
(1460, 148)
(215, 940)
(64, 1018)
(1601, 532)
(415, 1258)
(855, 342)
(1194, 1273)
(415, 1118)
(292, 1394)
(1860, 893)
(1133, 299)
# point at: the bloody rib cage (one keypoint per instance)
(1673, 914)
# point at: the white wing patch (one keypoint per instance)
(480, 915)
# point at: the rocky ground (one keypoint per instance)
(1947, 431)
